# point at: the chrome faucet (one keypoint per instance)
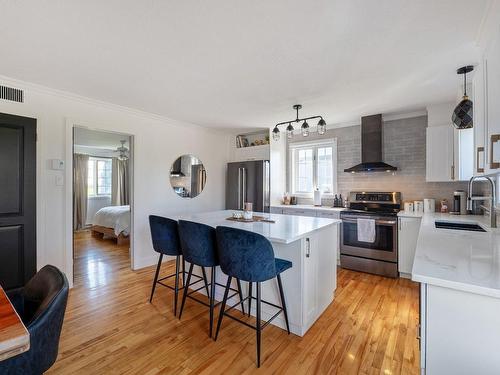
(492, 199)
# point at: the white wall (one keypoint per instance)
(157, 143)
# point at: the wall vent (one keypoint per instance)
(12, 94)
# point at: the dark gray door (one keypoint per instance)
(17, 200)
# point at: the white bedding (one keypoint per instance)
(116, 217)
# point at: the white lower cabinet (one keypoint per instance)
(276, 210)
(459, 332)
(298, 212)
(320, 278)
(408, 228)
(310, 278)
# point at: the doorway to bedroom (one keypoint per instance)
(102, 168)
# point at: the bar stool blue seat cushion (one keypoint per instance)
(282, 265)
(164, 235)
(248, 256)
(198, 243)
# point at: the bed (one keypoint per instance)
(114, 222)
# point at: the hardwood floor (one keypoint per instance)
(98, 261)
(111, 328)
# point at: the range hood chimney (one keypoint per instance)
(371, 147)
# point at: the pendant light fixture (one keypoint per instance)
(304, 128)
(462, 115)
(123, 151)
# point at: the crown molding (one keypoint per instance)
(489, 24)
(33, 87)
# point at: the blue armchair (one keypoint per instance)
(41, 304)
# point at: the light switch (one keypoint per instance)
(57, 164)
(59, 180)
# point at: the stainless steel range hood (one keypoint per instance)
(371, 147)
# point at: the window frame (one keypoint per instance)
(95, 160)
(292, 147)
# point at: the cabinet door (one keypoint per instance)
(310, 291)
(333, 215)
(276, 210)
(480, 131)
(492, 62)
(407, 243)
(298, 212)
(329, 215)
(464, 154)
(439, 154)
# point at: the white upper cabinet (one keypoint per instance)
(486, 83)
(439, 154)
(480, 132)
(492, 83)
(449, 152)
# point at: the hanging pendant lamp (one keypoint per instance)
(462, 115)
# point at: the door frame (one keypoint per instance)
(71, 124)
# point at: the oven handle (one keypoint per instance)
(377, 222)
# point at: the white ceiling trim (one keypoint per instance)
(33, 87)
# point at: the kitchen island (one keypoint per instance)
(310, 243)
(459, 272)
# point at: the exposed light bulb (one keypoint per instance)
(321, 127)
(305, 129)
(276, 134)
(289, 131)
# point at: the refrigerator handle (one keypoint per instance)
(239, 188)
(244, 187)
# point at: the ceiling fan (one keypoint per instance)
(123, 151)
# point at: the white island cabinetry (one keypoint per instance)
(312, 211)
(311, 244)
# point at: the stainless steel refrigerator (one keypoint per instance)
(248, 181)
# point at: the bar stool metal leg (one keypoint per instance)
(283, 304)
(241, 296)
(250, 297)
(212, 299)
(223, 306)
(183, 271)
(184, 295)
(206, 280)
(176, 288)
(156, 278)
(259, 328)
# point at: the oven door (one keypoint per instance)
(386, 239)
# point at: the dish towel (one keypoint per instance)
(366, 230)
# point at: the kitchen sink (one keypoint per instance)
(459, 226)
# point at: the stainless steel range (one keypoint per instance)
(379, 256)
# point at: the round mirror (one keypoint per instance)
(188, 176)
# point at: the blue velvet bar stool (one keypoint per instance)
(249, 256)
(165, 237)
(198, 245)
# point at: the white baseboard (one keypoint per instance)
(149, 261)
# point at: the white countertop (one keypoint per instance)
(410, 214)
(309, 207)
(457, 259)
(286, 228)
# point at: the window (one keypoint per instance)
(99, 177)
(313, 165)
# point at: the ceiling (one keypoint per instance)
(230, 64)
(99, 139)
